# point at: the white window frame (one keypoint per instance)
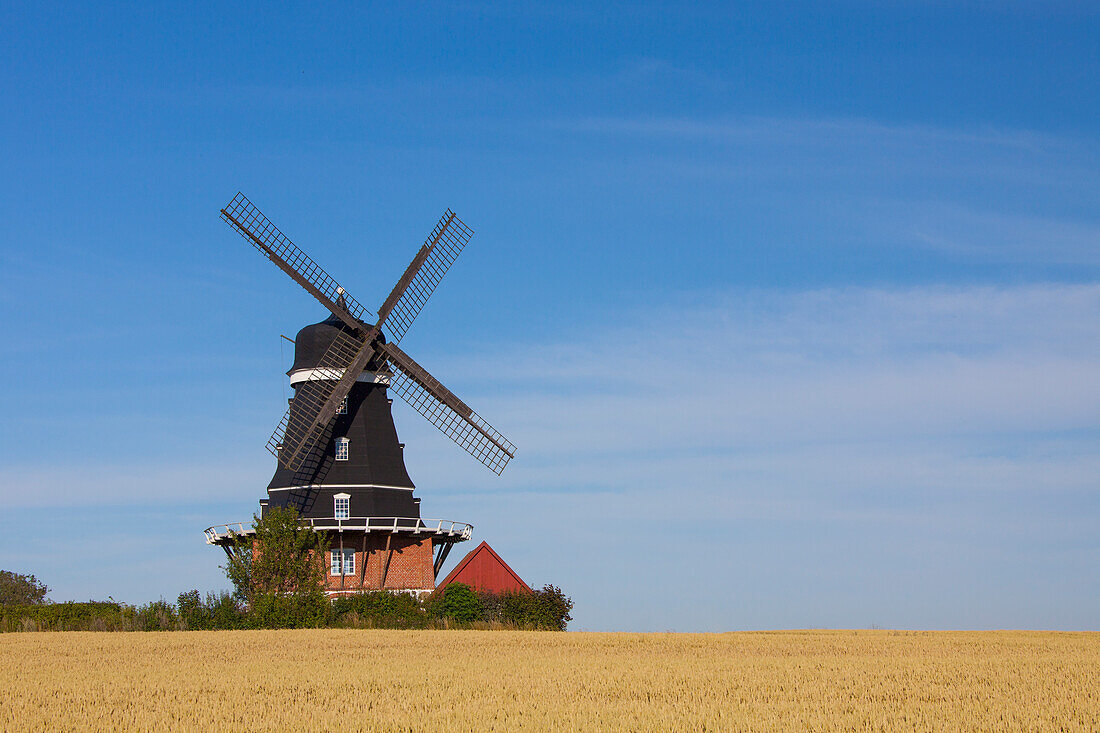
(343, 408)
(342, 450)
(336, 567)
(341, 506)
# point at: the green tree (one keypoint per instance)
(21, 590)
(278, 571)
(457, 601)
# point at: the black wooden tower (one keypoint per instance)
(361, 455)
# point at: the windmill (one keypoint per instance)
(340, 465)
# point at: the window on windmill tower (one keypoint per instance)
(341, 562)
(343, 408)
(342, 449)
(341, 506)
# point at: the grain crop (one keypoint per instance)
(497, 680)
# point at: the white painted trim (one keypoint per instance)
(342, 486)
(343, 572)
(313, 375)
(346, 499)
(444, 528)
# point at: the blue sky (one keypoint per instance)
(792, 308)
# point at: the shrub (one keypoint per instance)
(224, 611)
(191, 611)
(543, 609)
(457, 602)
(381, 609)
(91, 616)
(551, 608)
(156, 616)
(219, 611)
(290, 611)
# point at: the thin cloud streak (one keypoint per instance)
(917, 425)
(975, 194)
(742, 378)
(793, 130)
(796, 444)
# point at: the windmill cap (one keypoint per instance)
(311, 343)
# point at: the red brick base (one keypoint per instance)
(406, 564)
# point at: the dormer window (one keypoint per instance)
(342, 449)
(343, 408)
(341, 508)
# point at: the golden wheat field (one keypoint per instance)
(501, 680)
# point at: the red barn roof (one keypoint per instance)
(483, 569)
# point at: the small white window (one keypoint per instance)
(345, 558)
(342, 449)
(342, 506)
(343, 408)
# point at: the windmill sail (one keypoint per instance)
(423, 274)
(442, 408)
(300, 437)
(258, 231)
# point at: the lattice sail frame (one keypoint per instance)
(300, 435)
(453, 417)
(257, 230)
(439, 252)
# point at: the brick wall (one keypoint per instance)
(410, 562)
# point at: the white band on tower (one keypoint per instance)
(312, 375)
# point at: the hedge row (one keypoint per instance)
(455, 606)
(90, 616)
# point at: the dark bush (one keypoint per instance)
(156, 616)
(544, 609)
(91, 616)
(381, 609)
(294, 611)
(225, 612)
(457, 602)
(551, 609)
(218, 611)
(191, 611)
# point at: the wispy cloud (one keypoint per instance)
(137, 482)
(1012, 237)
(923, 420)
(937, 437)
(979, 194)
(794, 130)
(772, 371)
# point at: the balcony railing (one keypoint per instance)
(441, 528)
